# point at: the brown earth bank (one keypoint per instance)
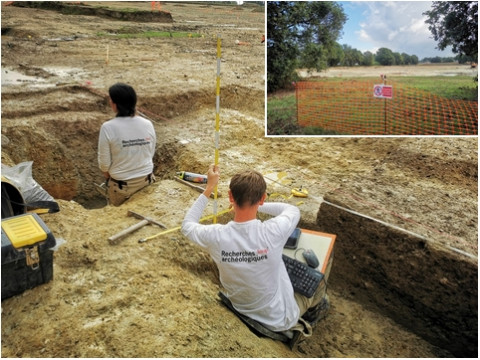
(159, 298)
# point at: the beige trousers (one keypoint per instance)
(119, 192)
(305, 303)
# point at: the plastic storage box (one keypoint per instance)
(27, 255)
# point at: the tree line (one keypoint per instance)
(345, 55)
(461, 59)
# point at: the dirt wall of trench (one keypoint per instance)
(67, 119)
(426, 287)
(76, 9)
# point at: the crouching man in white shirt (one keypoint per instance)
(248, 252)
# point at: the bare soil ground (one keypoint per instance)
(450, 69)
(159, 298)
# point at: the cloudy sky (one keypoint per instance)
(397, 25)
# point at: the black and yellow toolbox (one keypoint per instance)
(27, 254)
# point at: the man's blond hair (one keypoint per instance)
(247, 187)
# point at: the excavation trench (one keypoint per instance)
(426, 288)
(60, 133)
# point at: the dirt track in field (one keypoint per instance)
(396, 70)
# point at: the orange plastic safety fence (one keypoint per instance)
(350, 108)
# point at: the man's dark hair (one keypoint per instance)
(247, 187)
(124, 97)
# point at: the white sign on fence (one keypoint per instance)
(382, 91)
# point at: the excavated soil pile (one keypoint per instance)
(159, 298)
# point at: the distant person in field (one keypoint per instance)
(126, 146)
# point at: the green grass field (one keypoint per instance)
(282, 110)
(454, 87)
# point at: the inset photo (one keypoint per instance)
(372, 68)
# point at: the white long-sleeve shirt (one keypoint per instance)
(249, 259)
(126, 146)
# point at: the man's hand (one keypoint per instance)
(213, 176)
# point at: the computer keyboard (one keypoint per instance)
(305, 280)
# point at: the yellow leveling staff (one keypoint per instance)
(217, 123)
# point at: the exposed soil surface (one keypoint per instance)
(450, 69)
(159, 298)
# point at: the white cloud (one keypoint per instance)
(419, 26)
(363, 35)
(392, 35)
(399, 26)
